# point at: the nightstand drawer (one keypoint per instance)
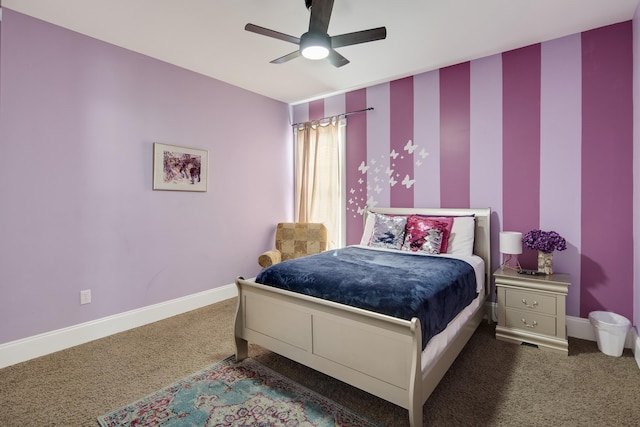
(535, 302)
(531, 322)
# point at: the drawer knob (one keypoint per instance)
(533, 305)
(529, 325)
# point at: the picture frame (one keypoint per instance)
(178, 168)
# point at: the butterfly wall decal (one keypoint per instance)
(363, 168)
(408, 182)
(410, 147)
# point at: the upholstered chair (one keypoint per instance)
(294, 240)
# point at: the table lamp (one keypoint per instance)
(510, 245)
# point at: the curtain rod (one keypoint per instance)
(342, 114)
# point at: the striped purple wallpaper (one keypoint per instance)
(356, 151)
(543, 135)
(455, 135)
(607, 169)
(521, 141)
(401, 141)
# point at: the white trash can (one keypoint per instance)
(611, 331)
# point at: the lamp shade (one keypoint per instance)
(510, 242)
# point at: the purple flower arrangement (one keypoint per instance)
(544, 241)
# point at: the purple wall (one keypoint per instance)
(401, 141)
(543, 135)
(521, 72)
(78, 118)
(455, 135)
(636, 164)
(607, 165)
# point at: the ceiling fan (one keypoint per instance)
(316, 43)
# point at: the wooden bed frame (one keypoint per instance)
(374, 352)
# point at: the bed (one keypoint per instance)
(379, 353)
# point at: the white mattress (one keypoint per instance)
(439, 343)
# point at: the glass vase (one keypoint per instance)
(545, 262)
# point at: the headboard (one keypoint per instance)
(482, 238)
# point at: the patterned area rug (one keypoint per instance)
(234, 394)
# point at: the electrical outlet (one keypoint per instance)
(85, 296)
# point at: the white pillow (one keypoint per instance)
(462, 236)
(368, 229)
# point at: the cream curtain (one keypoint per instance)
(320, 176)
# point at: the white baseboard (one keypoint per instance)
(39, 345)
(579, 327)
(49, 342)
(492, 309)
(636, 344)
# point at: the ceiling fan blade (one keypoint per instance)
(336, 59)
(359, 37)
(320, 15)
(287, 57)
(270, 33)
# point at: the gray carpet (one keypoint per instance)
(492, 383)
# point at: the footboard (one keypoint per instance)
(376, 353)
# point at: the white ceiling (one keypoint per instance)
(208, 36)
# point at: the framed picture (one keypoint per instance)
(179, 168)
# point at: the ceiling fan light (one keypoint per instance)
(315, 52)
(314, 45)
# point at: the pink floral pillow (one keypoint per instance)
(427, 234)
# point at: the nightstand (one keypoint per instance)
(532, 309)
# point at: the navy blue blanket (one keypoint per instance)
(398, 284)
